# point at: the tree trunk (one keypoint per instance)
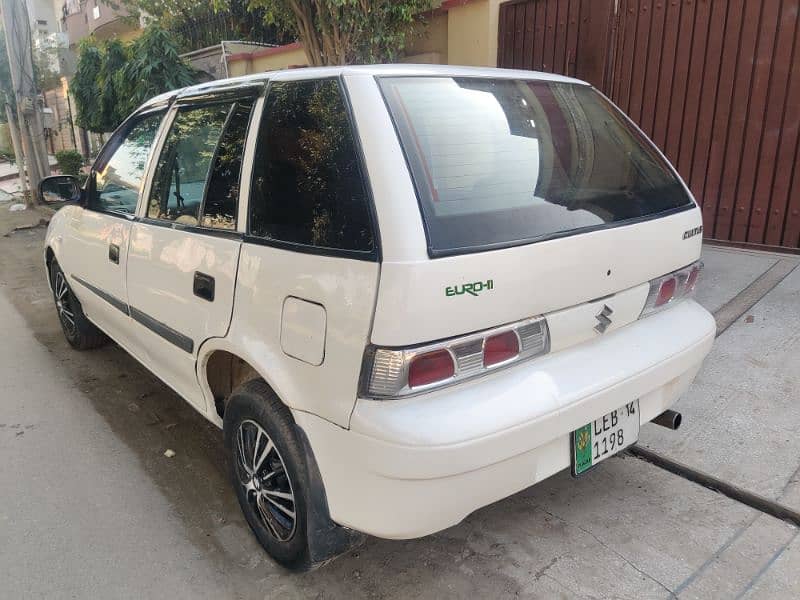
(319, 30)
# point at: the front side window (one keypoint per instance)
(307, 185)
(500, 162)
(119, 173)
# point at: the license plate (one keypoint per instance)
(604, 437)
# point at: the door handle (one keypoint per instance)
(113, 253)
(203, 286)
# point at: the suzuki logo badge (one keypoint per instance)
(603, 319)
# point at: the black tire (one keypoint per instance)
(282, 471)
(80, 332)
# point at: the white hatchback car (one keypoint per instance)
(404, 292)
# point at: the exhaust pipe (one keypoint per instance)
(669, 419)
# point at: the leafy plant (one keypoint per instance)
(154, 67)
(112, 84)
(85, 86)
(69, 162)
(113, 79)
(335, 32)
(6, 89)
(197, 24)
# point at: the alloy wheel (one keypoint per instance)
(66, 313)
(262, 474)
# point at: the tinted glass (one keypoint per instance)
(119, 172)
(499, 162)
(307, 186)
(222, 195)
(180, 178)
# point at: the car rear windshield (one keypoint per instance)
(500, 162)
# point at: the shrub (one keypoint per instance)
(69, 162)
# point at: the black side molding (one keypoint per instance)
(112, 300)
(183, 342)
(180, 340)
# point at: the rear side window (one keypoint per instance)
(196, 181)
(307, 185)
(222, 195)
(500, 162)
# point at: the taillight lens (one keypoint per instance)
(398, 372)
(691, 281)
(672, 287)
(431, 367)
(500, 348)
(666, 291)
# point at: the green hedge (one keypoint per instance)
(69, 162)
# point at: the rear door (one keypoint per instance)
(309, 268)
(184, 252)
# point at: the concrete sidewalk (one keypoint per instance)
(741, 416)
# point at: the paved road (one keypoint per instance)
(79, 514)
(90, 507)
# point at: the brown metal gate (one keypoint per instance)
(714, 83)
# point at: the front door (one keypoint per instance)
(96, 239)
(184, 252)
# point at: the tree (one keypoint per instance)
(198, 24)
(45, 77)
(113, 79)
(154, 67)
(111, 84)
(336, 32)
(45, 56)
(6, 88)
(85, 86)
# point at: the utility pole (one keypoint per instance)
(18, 155)
(29, 110)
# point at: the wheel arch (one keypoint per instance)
(326, 539)
(53, 238)
(221, 368)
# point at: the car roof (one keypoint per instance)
(398, 70)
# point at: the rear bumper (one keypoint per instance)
(408, 468)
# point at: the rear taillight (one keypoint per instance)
(666, 291)
(671, 288)
(431, 367)
(500, 348)
(398, 372)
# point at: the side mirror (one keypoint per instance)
(60, 188)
